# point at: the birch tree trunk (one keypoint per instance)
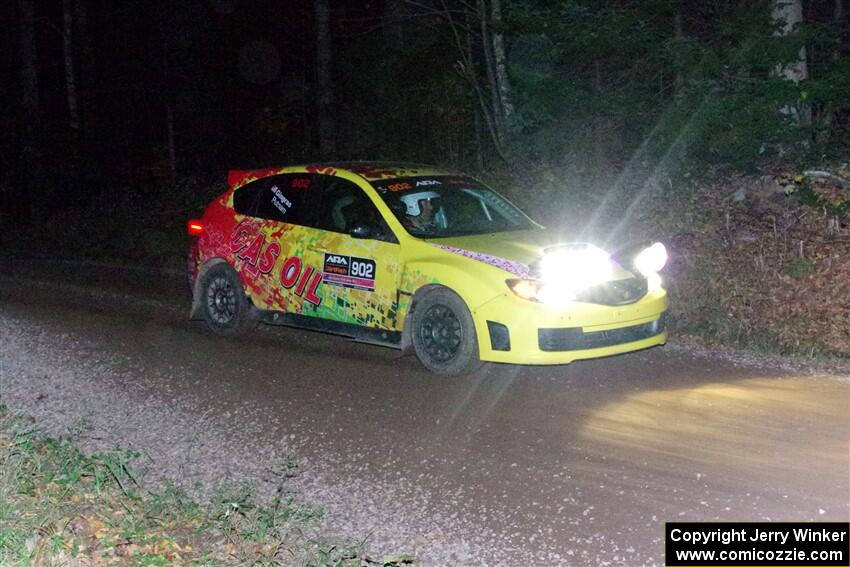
(324, 58)
(789, 14)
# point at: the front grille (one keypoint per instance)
(573, 338)
(616, 292)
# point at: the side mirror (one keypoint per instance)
(361, 230)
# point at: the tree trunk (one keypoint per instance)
(490, 70)
(679, 34)
(88, 74)
(393, 28)
(9, 116)
(172, 147)
(789, 14)
(468, 57)
(504, 85)
(468, 69)
(324, 58)
(30, 167)
(825, 118)
(599, 120)
(70, 78)
(169, 113)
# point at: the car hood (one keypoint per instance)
(515, 252)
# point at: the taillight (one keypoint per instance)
(194, 227)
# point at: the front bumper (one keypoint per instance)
(517, 331)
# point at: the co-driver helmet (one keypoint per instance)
(411, 202)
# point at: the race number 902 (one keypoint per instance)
(362, 268)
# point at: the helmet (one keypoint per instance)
(411, 201)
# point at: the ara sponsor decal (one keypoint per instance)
(257, 256)
(305, 279)
(427, 182)
(349, 271)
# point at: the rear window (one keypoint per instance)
(283, 198)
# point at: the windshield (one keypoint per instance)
(434, 207)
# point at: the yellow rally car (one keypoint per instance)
(416, 258)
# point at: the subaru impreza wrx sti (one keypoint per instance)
(418, 259)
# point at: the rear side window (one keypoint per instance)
(344, 205)
(283, 198)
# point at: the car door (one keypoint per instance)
(359, 256)
(269, 243)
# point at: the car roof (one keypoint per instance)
(368, 170)
(372, 170)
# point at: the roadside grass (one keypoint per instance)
(61, 507)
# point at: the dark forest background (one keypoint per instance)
(134, 110)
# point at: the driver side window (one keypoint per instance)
(344, 206)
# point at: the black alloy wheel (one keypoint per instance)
(221, 301)
(443, 333)
(440, 333)
(227, 310)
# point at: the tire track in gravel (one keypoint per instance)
(575, 465)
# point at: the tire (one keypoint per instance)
(443, 333)
(226, 309)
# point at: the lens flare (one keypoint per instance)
(651, 260)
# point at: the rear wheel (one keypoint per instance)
(443, 333)
(226, 309)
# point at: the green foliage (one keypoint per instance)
(808, 196)
(799, 268)
(613, 80)
(59, 506)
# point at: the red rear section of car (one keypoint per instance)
(209, 234)
(213, 232)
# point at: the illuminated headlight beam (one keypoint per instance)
(651, 260)
(576, 269)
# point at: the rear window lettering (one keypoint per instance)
(282, 198)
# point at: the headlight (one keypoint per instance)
(563, 272)
(526, 289)
(576, 268)
(539, 291)
(651, 260)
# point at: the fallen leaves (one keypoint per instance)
(776, 277)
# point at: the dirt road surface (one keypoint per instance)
(571, 465)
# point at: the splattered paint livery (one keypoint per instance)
(327, 273)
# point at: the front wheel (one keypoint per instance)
(226, 309)
(443, 333)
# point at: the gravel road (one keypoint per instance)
(572, 465)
